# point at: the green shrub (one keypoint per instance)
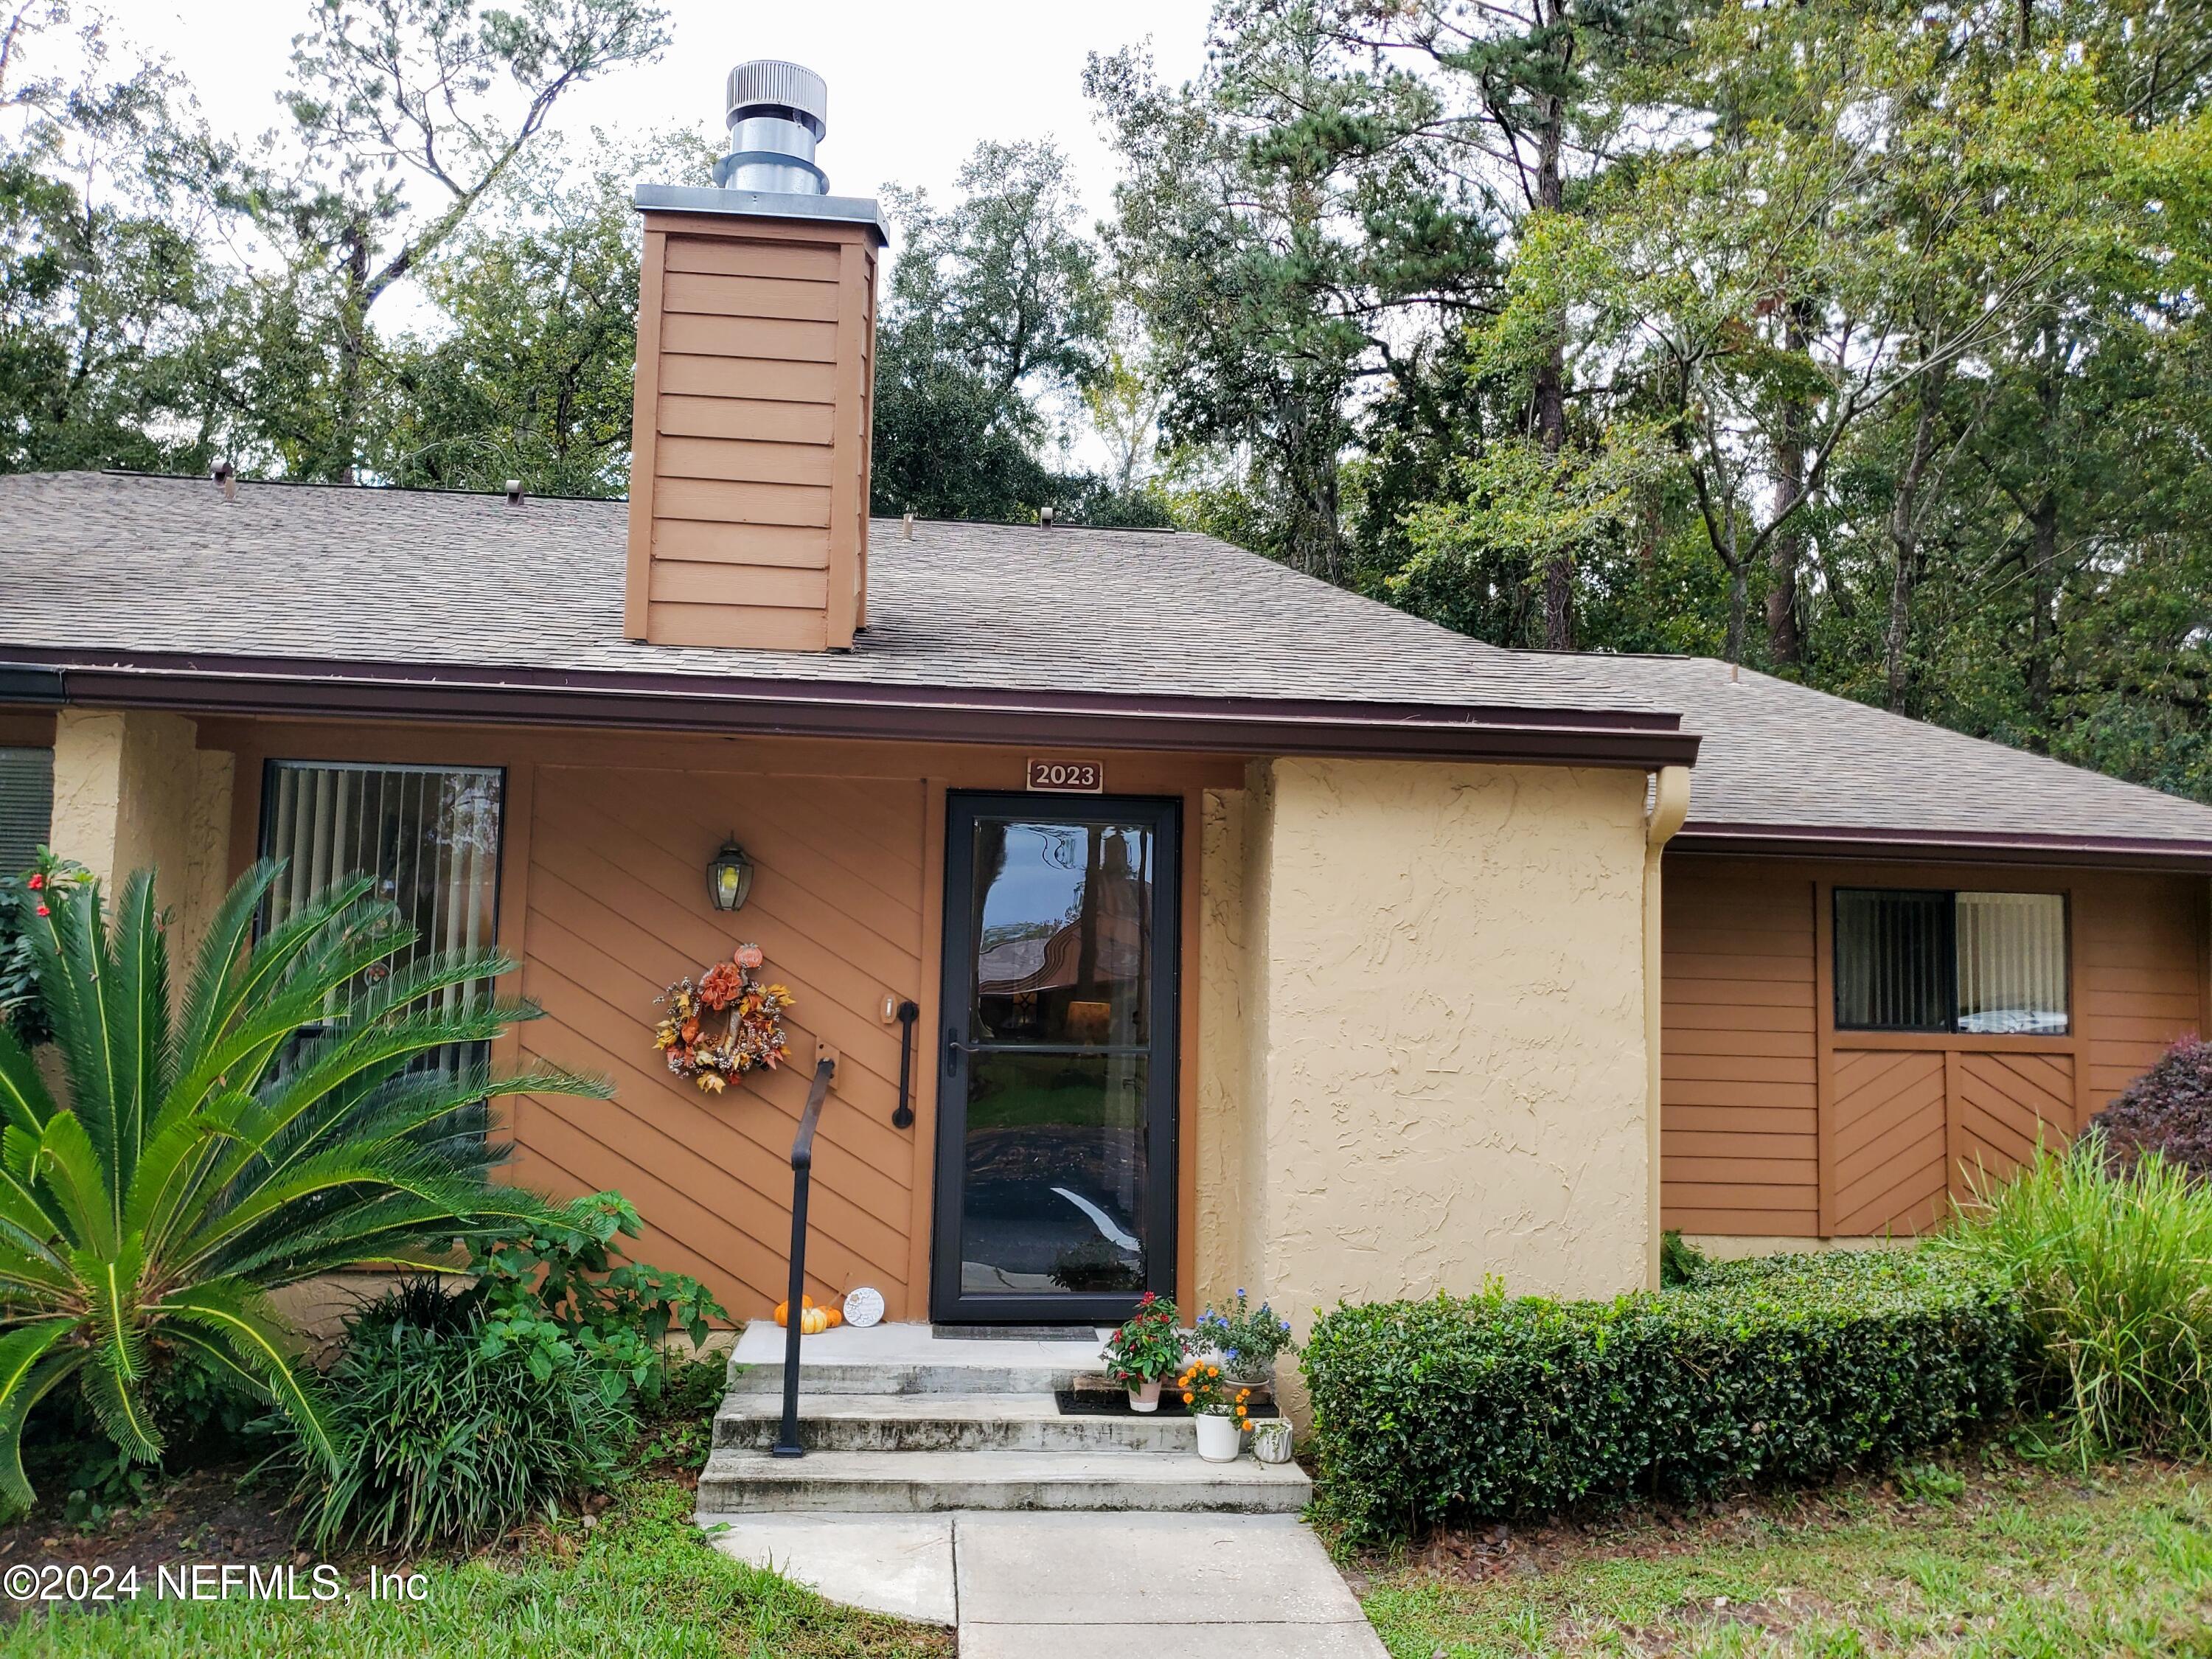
(270, 1124)
(2113, 1266)
(558, 1288)
(1787, 1369)
(1680, 1261)
(439, 1439)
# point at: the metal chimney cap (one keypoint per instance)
(771, 81)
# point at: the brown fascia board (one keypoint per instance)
(353, 690)
(1932, 845)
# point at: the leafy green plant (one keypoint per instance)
(1680, 1261)
(210, 1153)
(22, 894)
(1785, 1368)
(1148, 1345)
(1249, 1340)
(2113, 1267)
(439, 1438)
(558, 1287)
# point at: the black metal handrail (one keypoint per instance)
(802, 1176)
(902, 1118)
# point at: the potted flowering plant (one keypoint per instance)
(1222, 1416)
(1145, 1350)
(1249, 1340)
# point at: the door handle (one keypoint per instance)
(954, 1048)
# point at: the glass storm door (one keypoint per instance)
(1055, 1155)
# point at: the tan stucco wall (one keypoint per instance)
(1223, 1243)
(133, 791)
(1441, 1009)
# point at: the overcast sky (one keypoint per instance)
(913, 86)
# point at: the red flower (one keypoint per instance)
(44, 911)
(37, 882)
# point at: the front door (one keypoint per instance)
(1056, 1151)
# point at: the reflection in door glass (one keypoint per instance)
(1063, 933)
(1056, 1175)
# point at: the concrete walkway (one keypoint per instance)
(1074, 1584)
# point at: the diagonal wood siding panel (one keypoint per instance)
(1890, 1136)
(1775, 1123)
(2004, 1104)
(615, 911)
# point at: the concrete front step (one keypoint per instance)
(907, 1359)
(741, 1481)
(945, 1422)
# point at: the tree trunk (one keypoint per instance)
(2043, 621)
(353, 348)
(1551, 383)
(1739, 610)
(1904, 545)
(1785, 554)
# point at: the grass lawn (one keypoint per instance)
(1962, 1558)
(643, 1582)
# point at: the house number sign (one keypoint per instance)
(1067, 777)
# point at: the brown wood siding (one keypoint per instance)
(1774, 1123)
(601, 897)
(1738, 1113)
(750, 457)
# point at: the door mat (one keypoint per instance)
(1097, 1402)
(1014, 1332)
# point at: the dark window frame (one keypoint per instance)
(1949, 959)
(272, 764)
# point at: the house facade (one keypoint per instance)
(1252, 933)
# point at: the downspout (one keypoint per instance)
(1670, 805)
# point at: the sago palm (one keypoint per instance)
(280, 1122)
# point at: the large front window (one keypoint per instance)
(1910, 959)
(427, 837)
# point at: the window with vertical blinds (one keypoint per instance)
(27, 806)
(428, 835)
(1910, 959)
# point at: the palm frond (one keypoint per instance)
(238, 1314)
(70, 1168)
(138, 998)
(29, 1373)
(207, 1000)
(26, 1102)
(116, 1400)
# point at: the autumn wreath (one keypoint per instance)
(725, 1025)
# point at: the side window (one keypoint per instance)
(27, 806)
(1910, 959)
(428, 835)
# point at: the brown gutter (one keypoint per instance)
(327, 687)
(1944, 846)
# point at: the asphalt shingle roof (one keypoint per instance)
(1780, 755)
(100, 563)
(152, 564)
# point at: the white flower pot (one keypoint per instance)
(1145, 1396)
(1271, 1440)
(1218, 1438)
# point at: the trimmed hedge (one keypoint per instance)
(1785, 1368)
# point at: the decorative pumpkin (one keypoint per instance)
(836, 1316)
(812, 1322)
(783, 1311)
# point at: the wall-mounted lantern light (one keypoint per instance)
(729, 877)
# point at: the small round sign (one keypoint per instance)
(863, 1307)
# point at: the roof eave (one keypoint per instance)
(1928, 846)
(833, 709)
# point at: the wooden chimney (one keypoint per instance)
(756, 357)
